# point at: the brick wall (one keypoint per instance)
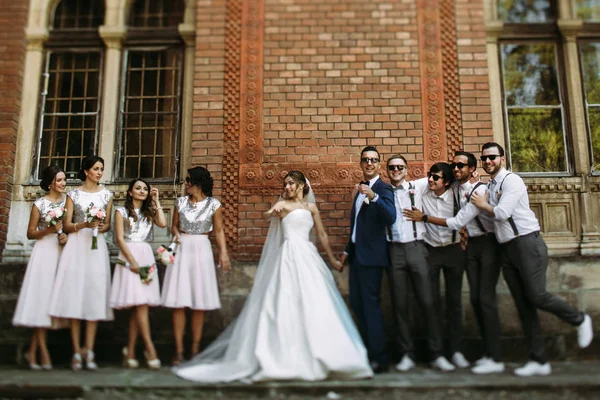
(13, 17)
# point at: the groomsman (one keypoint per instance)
(408, 256)
(367, 251)
(483, 259)
(445, 254)
(524, 259)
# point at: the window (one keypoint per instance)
(149, 137)
(534, 109)
(70, 98)
(588, 10)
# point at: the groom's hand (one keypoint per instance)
(343, 259)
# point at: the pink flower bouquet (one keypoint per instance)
(94, 213)
(54, 215)
(147, 272)
(166, 255)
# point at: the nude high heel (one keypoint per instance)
(131, 363)
(152, 364)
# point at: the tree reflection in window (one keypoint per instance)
(525, 11)
(590, 65)
(588, 10)
(533, 106)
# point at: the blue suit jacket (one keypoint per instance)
(371, 247)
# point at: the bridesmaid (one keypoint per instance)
(192, 282)
(133, 231)
(82, 284)
(32, 306)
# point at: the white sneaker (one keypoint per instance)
(405, 364)
(483, 360)
(459, 360)
(442, 364)
(534, 368)
(488, 367)
(585, 333)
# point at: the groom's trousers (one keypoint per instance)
(365, 300)
(409, 264)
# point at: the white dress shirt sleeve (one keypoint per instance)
(513, 188)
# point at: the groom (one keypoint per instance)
(372, 211)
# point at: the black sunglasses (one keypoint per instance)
(434, 177)
(459, 165)
(374, 160)
(396, 167)
(187, 179)
(492, 157)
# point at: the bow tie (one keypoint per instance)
(398, 188)
(364, 183)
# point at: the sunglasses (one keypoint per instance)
(492, 157)
(458, 165)
(396, 167)
(373, 160)
(434, 177)
(187, 179)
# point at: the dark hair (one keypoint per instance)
(446, 171)
(48, 175)
(471, 160)
(298, 177)
(88, 163)
(489, 145)
(397, 156)
(146, 208)
(370, 148)
(199, 176)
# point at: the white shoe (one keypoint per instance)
(459, 360)
(534, 368)
(405, 364)
(585, 333)
(442, 364)
(483, 360)
(488, 367)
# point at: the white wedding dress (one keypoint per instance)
(294, 325)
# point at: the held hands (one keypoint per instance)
(341, 262)
(413, 215)
(57, 228)
(337, 265)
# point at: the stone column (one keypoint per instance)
(188, 34)
(492, 30)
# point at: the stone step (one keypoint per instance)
(568, 381)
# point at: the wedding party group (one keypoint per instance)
(295, 324)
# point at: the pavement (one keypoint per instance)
(569, 380)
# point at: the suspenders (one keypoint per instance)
(477, 219)
(511, 221)
(456, 207)
(414, 223)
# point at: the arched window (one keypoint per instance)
(70, 98)
(150, 112)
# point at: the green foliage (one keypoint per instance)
(536, 140)
(525, 11)
(588, 10)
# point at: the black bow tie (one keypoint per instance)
(364, 183)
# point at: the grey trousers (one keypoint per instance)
(483, 270)
(409, 264)
(449, 260)
(524, 264)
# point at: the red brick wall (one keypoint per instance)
(13, 17)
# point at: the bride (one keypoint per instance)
(294, 325)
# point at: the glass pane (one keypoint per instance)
(590, 65)
(157, 13)
(78, 15)
(536, 140)
(588, 10)
(594, 121)
(530, 74)
(525, 11)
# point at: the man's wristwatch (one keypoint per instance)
(424, 218)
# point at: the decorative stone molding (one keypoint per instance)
(570, 28)
(187, 33)
(36, 38)
(112, 36)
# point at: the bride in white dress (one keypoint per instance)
(295, 324)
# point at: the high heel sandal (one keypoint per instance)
(177, 359)
(32, 366)
(129, 362)
(89, 361)
(76, 362)
(152, 364)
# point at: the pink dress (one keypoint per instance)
(127, 289)
(82, 282)
(34, 297)
(192, 280)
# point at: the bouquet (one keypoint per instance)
(54, 215)
(93, 213)
(147, 272)
(166, 255)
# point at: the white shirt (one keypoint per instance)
(402, 230)
(511, 201)
(468, 212)
(441, 207)
(360, 200)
